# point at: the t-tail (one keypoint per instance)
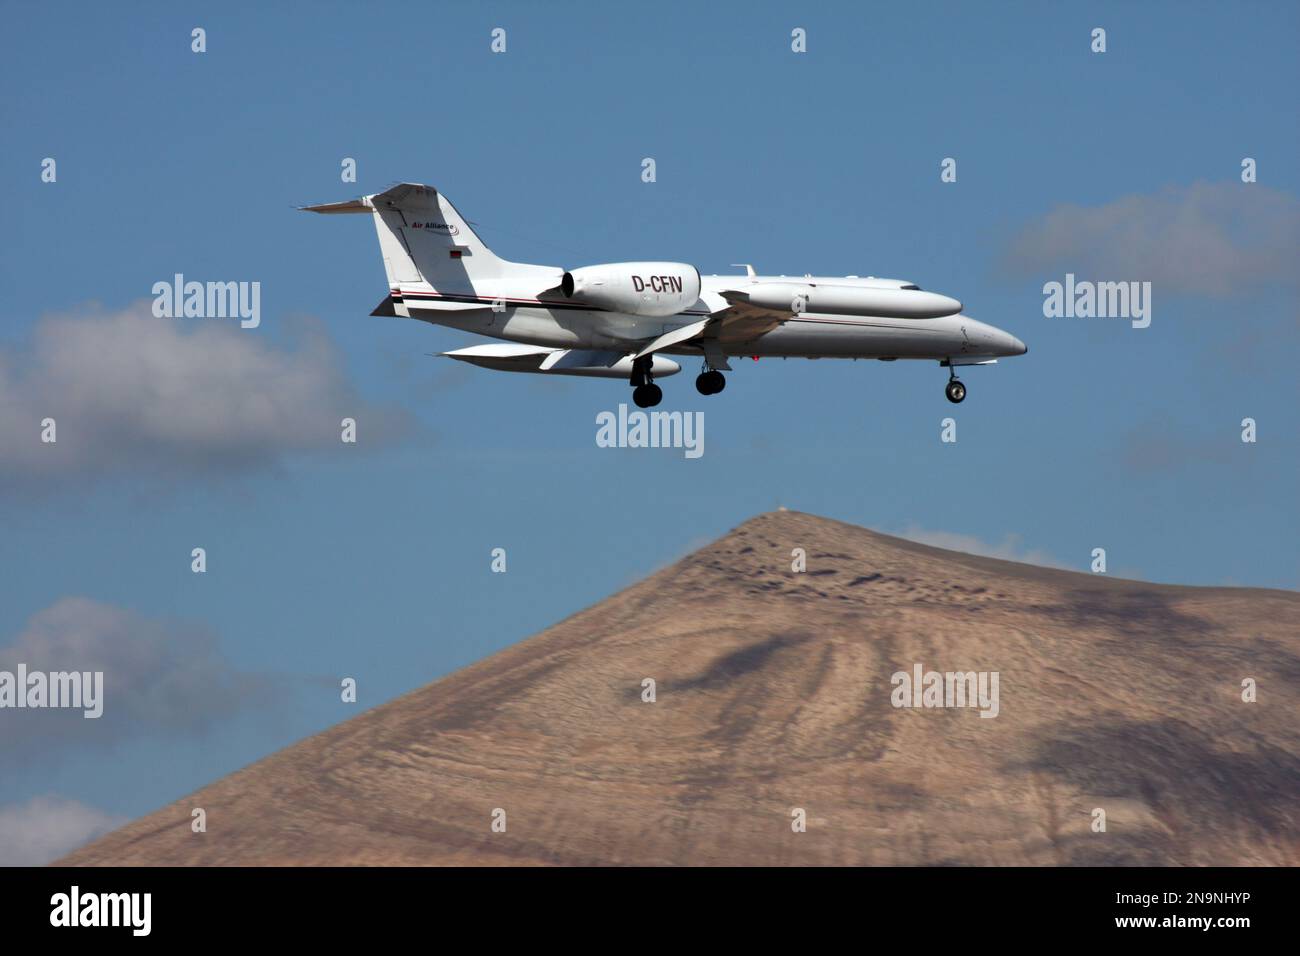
(428, 246)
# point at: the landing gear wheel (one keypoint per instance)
(955, 391)
(647, 396)
(710, 382)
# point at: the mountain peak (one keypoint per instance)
(775, 693)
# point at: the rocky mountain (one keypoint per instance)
(774, 692)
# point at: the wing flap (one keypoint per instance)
(741, 321)
(675, 337)
(580, 358)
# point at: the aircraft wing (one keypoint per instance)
(676, 337)
(739, 320)
(732, 319)
(591, 363)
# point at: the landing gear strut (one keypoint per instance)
(955, 390)
(645, 392)
(710, 382)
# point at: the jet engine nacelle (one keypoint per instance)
(654, 289)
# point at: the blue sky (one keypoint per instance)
(372, 561)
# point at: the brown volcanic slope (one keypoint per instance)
(773, 693)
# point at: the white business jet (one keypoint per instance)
(623, 320)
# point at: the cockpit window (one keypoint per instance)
(912, 288)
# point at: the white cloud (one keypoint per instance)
(1214, 239)
(48, 827)
(1010, 548)
(161, 678)
(134, 393)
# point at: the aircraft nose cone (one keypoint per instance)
(1017, 347)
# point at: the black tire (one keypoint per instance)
(955, 391)
(647, 396)
(710, 382)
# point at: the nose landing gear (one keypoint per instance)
(955, 390)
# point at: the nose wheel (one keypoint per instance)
(955, 391)
(710, 382)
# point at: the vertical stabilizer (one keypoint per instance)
(425, 242)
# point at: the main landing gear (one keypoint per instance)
(645, 392)
(648, 395)
(710, 382)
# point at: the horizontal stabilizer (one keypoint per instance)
(352, 205)
(402, 195)
(446, 305)
(386, 307)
